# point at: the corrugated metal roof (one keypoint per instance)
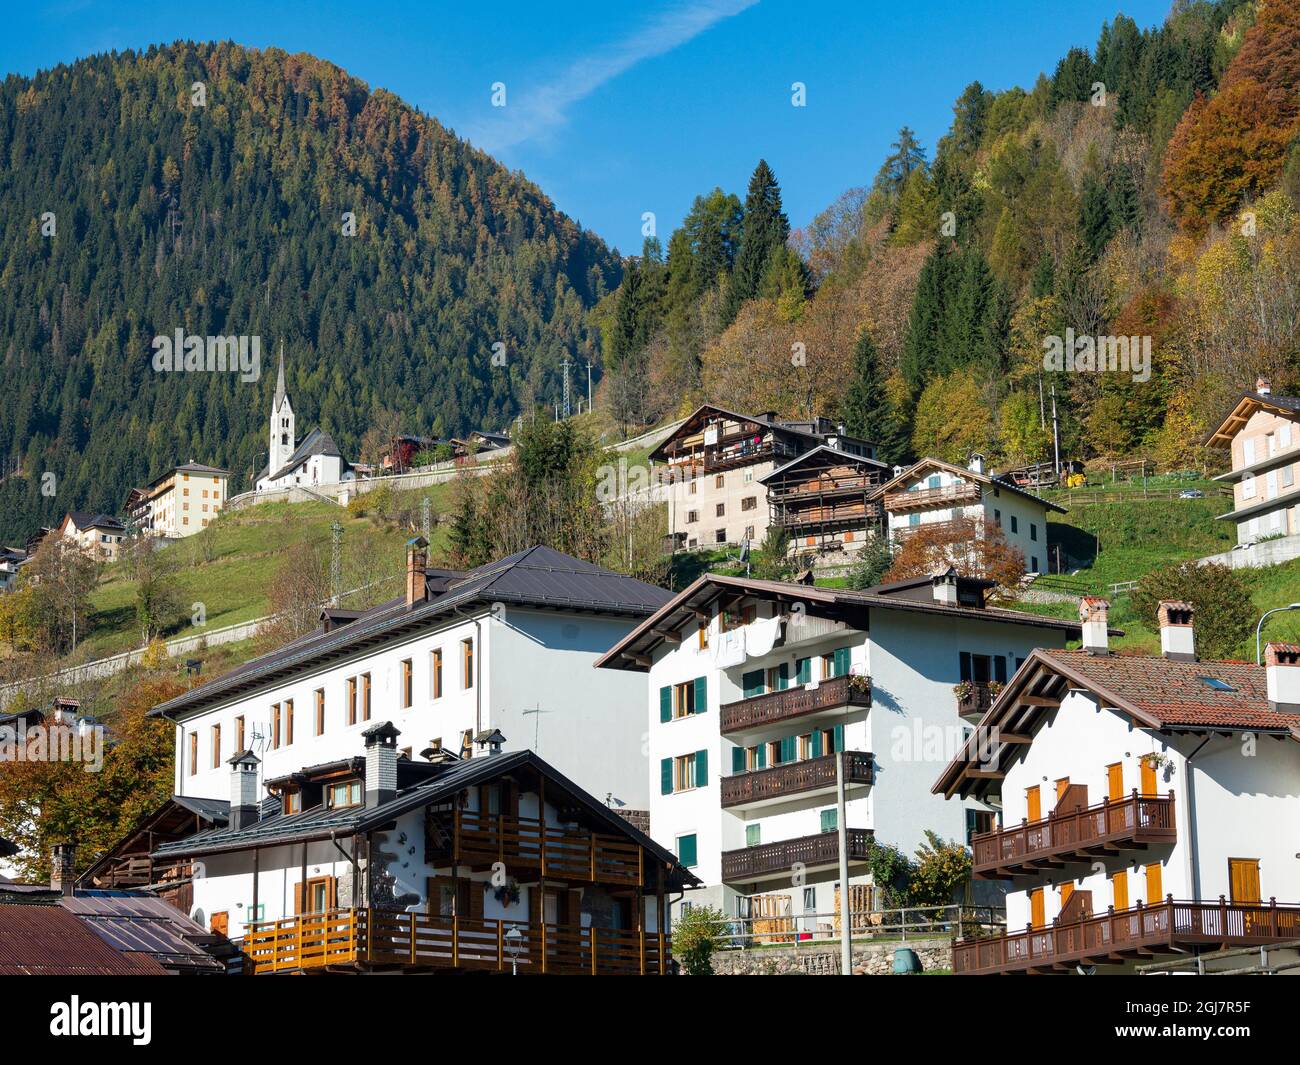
(47, 940)
(135, 923)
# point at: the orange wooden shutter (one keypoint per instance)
(221, 923)
(1061, 786)
(1034, 803)
(1037, 911)
(1155, 891)
(1148, 776)
(1067, 889)
(1119, 890)
(1115, 781)
(332, 893)
(297, 898)
(1243, 876)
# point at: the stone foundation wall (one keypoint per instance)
(823, 959)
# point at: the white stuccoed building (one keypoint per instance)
(754, 685)
(508, 646)
(1149, 805)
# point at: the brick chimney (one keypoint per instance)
(381, 763)
(976, 463)
(417, 556)
(1262, 387)
(1282, 672)
(1092, 613)
(63, 865)
(944, 586)
(1177, 637)
(243, 790)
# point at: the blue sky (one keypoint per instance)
(616, 109)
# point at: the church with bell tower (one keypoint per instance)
(316, 461)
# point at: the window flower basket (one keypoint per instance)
(859, 683)
(508, 893)
(964, 690)
(994, 687)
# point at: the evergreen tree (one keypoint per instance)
(765, 230)
(1095, 223)
(867, 411)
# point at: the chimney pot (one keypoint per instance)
(1177, 636)
(417, 557)
(63, 866)
(381, 763)
(976, 464)
(1282, 676)
(944, 586)
(244, 807)
(1262, 386)
(1092, 614)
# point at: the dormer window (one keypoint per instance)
(345, 793)
(292, 802)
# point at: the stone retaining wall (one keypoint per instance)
(823, 959)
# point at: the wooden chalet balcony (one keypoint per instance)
(1139, 932)
(727, 458)
(953, 495)
(798, 518)
(1074, 836)
(977, 700)
(825, 484)
(779, 858)
(811, 775)
(477, 841)
(759, 711)
(373, 940)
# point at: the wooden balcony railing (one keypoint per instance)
(795, 517)
(952, 495)
(373, 939)
(795, 778)
(977, 700)
(825, 484)
(774, 707)
(769, 859)
(1077, 835)
(478, 840)
(1115, 937)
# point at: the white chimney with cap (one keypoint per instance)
(1177, 637)
(1262, 387)
(1282, 676)
(1092, 613)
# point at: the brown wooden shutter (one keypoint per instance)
(297, 898)
(332, 893)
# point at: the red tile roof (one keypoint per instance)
(39, 939)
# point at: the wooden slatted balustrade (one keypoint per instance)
(1117, 936)
(1078, 835)
(559, 853)
(774, 707)
(368, 938)
(780, 857)
(796, 778)
(925, 498)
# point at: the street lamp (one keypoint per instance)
(1260, 626)
(514, 941)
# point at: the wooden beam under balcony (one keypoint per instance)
(1110, 827)
(759, 711)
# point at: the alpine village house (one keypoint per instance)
(755, 686)
(441, 782)
(1147, 804)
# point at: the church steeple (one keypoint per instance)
(279, 381)
(282, 431)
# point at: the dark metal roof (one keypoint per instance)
(45, 939)
(321, 822)
(317, 442)
(830, 456)
(539, 576)
(135, 923)
(991, 479)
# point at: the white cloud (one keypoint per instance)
(533, 112)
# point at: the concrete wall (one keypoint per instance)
(869, 959)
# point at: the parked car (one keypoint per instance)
(1191, 493)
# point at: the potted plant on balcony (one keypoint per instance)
(858, 682)
(964, 690)
(994, 687)
(507, 893)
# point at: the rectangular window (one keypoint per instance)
(1033, 531)
(365, 696)
(719, 480)
(194, 753)
(720, 537)
(347, 793)
(1015, 524)
(352, 701)
(288, 722)
(408, 695)
(753, 835)
(435, 672)
(320, 711)
(692, 516)
(239, 734)
(720, 510)
(467, 663)
(749, 503)
(275, 726)
(216, 746)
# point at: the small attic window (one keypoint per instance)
(1216, 685)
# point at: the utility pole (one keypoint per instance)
(588, 385)
(565, 366)
(336, 563)
(846, 910)
(1056, 435)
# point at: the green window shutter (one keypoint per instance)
(686, 850)
(817, 743)
(803, 671)
(701, 768)
(753, 683)
(738, 759)
(783, 677)
(841, 661)
(787, 749)
(701, 695)
(839, 737)
(762, 756)
(665, 703)
(666, 776)
(753, 835)
(830, 820)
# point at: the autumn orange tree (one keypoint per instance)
(47, 802)
(974, 550)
